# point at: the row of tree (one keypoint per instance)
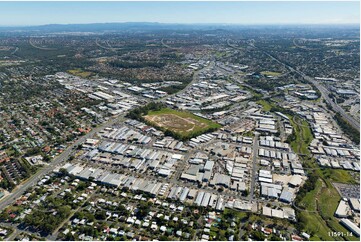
(140, 112)
(129, 65)
(350, 131)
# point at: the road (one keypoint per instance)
(40, 48)
(55, 233)
(16, 231)
(67, 152)
(106, 48)
(324, 92)
(14, 234)
(254, 166)
(354, 123)
(168, 46)
(59, 159)
(16, 49)
(233, 46)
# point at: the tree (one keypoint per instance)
(246, 193)
(4, 216)
(143, 209)
(100, 215)
(64, 171)
(258, 235)
(274, 237)
(163, 238)
(123, 211)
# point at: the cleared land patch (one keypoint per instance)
(270, 73)
(80, 73)
(176, 123)
(185, 124)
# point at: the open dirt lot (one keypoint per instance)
(175, 123)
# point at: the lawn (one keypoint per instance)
(309, 200)
(239, 215)
(324, 199)
(255, 94)
(270, 73)
(328, 201)
(303, 135)
(219, 54)
(185, 124)
(266, 105)
(338, 175)
(321, 203)
(314, 223)
(80, 73)
(302, 130)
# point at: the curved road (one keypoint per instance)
(40, 48)
(168, 46)
(194, 80)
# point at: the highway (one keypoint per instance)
(324, 92)
(47, 169)
(168, 46)
(105, 47)
(40, 48)
(352, 121)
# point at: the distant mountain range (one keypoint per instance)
(102, 27)
(149, 26)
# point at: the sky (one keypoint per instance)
(40, 13)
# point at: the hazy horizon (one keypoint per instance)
(162, 23)
(13, 14)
